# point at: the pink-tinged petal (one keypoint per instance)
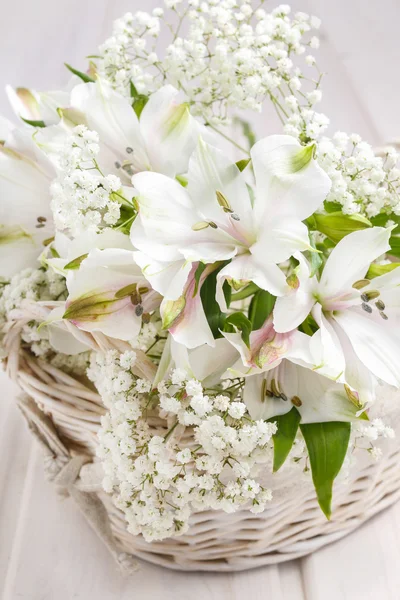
(351, 258)
(374, 342)
(185, 318)
(266, 348)
(290, 183)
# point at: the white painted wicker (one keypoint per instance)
(64, 413)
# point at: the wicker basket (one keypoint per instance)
(64, 414)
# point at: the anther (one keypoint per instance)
(223, 201)
(128, 169)
(139, 310)
(235, 217)
(383, 315)
(146, 318)
(380, 305)
(213, 225)
(296, 401)
(361, 283)
(40, 225)
(367, 296)
(136, 298)
(284, 397)
(274, 389)
(117, 164)
(41, 219)
(129, 150)
(366, 307)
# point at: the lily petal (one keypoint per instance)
(373, 342)
(169, 130)
(290, 183)
(293, 308)
(185, 318)
(218, 190)
(112, 116)
(350, 259)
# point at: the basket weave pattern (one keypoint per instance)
(65, 413)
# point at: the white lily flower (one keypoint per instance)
(108, 293)
(283, 370)
(25, 217)
(215, 218)
(357, 317)
(161, 140)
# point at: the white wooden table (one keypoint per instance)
(47, 551)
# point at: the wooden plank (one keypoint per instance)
(15, 445)
(362, 565)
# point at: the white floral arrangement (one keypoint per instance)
(249, 288)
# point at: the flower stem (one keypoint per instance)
(238, 146)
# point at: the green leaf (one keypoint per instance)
(34, 123)
(331, 207)
(242, 164)
(239, 321)
(327, 446)
(139, 104)
(336, 225)
(394, 245)
(133, 90)
(376, 270)
(211, 307)
(382, 219)
(76, 263)
(283, 439)
(79, 74)
(260, 308)
(226, 288)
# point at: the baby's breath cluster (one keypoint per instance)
(83, 199)
(223, 54)
(37, 285)
(159, 476)
(362, 182)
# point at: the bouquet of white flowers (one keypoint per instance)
(234, 301)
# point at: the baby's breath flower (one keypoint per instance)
(81, 195)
